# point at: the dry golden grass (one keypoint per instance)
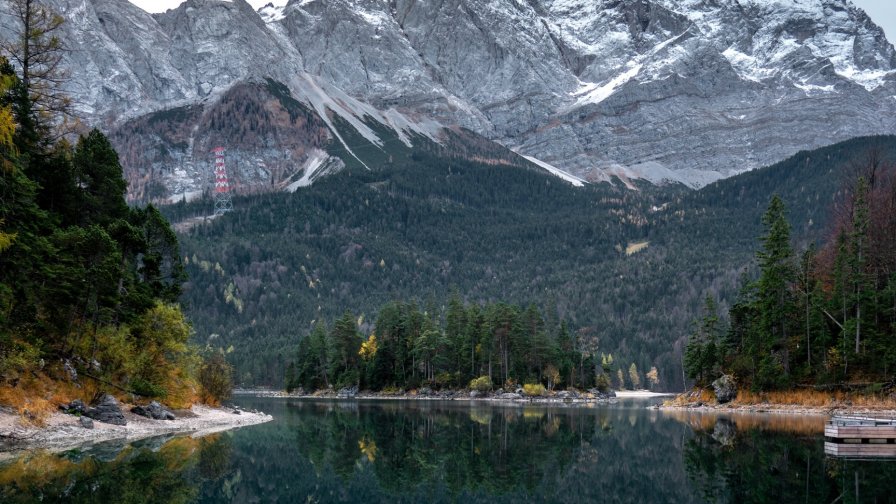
(694, 396)
(816, 399)
(36, 396)
(806, 398)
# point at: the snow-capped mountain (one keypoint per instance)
(665, 90)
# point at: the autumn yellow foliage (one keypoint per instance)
(534, 389)
(368, 348)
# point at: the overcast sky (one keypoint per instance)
(883, 12)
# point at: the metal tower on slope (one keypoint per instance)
(223, 203)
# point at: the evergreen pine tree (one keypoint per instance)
(774, 296)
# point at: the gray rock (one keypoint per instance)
(510, 395)
(559, 83)
(75, 407)
(725, 389)
(425, 391)
(474, 394)
(87, 423)
(107, 410)
(153, 410)
(348, 392)
(602, 395)
(70, 370)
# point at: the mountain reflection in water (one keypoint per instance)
(422, 451)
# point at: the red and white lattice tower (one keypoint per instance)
(223, 203)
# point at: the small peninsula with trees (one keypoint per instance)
(497, 346)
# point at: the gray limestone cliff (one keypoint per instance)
(666, 90)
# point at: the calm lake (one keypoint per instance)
(416, 451)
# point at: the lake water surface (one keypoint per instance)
(427, 451)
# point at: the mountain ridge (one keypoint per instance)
(599, 90)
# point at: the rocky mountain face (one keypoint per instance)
(665, 90)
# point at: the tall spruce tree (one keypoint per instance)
(98, 173)
(344, 344)
(774, 294)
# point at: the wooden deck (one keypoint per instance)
(860, 437)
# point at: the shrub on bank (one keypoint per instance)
(215, 376)
(481, 384)
(534, 389)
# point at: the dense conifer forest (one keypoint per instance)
(628, 269)
(483, 347)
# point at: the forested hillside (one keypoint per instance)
(627, 268)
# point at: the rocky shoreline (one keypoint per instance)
(783, 409)
(724, 398)
(62, 431)
(425, 394)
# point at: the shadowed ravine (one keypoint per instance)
(389, 451)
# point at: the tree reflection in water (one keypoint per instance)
(150, 471)
(741, 459)
(420, 451)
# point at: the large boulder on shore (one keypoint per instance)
(725, 389)
(86, 422)
(348, 392)
(153, 410)
(107, 411)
